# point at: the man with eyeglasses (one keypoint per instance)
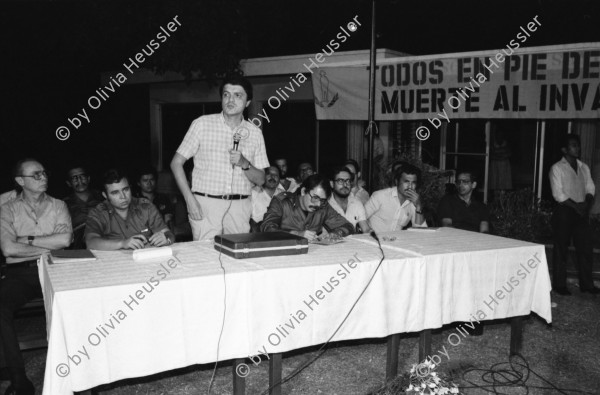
(392, 209)
(358, 190)
(344, 203)
(80, 202)
(30, 225)
(123, 222)
(305, 170)
(460, 210)
(306, 212)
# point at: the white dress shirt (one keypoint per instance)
(566, 184)
(355, 211)
(385, 214)
(261, 200)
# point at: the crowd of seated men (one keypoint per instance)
(130, 214)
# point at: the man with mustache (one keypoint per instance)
(288, 183)
(261, 196)
(30, 225)
(123, 222)
(80, 202)
(394, 208)
(344, 202)
(306, 212)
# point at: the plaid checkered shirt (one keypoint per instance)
(209, 140)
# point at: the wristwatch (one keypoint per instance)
(30, 240)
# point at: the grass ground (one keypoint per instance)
(565, 354)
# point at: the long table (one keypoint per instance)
(115, 318)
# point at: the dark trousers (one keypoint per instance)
(567, 225)
(20, 285)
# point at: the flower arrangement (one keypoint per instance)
(423, 380)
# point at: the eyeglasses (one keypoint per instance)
(459, 182)
(38, 175)
(317, 199)
(79, 177)
(342, 181)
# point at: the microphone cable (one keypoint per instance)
(514, 376)
(212, 377)
(322, 349)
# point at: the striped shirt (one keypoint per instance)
(209, 140)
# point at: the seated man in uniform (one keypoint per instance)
(80, 202)
(30, 225)
(123, 222)
(147, 183)
(460, 210)
(306, 212)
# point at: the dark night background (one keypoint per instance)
(54, 51)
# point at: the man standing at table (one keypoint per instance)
(30, 225)
(80, 202)
(223, 177)
(306, 212)
(123, 222)
(344, 203)
(393, 208)
(573, 190)
(460, 210)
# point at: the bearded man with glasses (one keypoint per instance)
(306, 212)
(30, 225)
(345, 203)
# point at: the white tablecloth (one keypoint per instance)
(277, 304)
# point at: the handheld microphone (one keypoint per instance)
(240, 133)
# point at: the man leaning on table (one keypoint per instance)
(31, 225)
(124, 222)
(306, 212)
(394, 208)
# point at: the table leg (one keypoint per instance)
(275, 374)
(424, 344)
(391, 367)
(239, 382)
(516, 335)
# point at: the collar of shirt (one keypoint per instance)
(43, 203)
(134, 206)
(566, 163)
(395, 195)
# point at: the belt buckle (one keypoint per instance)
(225, 197)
